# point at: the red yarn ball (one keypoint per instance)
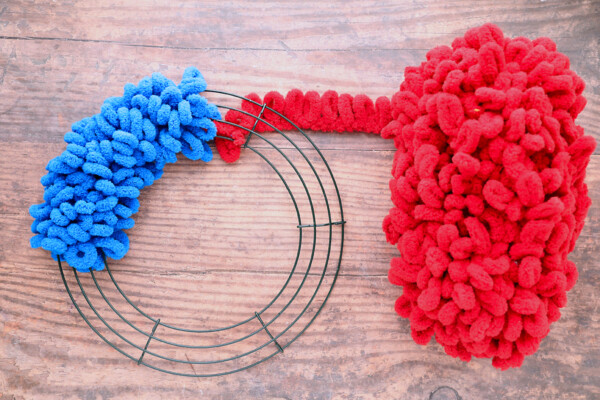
(489, 194)
(488, 186)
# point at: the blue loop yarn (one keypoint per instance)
(91, 189)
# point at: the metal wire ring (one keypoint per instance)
(275, 338)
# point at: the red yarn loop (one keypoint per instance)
(308, 111)
(487, 186)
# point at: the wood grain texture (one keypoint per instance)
(213, 242)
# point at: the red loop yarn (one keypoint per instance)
(488, 186)
(309, 111)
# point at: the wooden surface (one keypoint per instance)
(213, 243)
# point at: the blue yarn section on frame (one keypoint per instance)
(91, 189)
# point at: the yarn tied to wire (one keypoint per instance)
(91, 189)
(487, 185)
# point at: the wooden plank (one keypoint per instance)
(357, 347)
(71, 81)
(291, 26)
(220, 223)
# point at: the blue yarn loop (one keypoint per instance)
(91, 189)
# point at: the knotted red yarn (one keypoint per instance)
(488, 186)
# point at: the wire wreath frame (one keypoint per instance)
(244, 359)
